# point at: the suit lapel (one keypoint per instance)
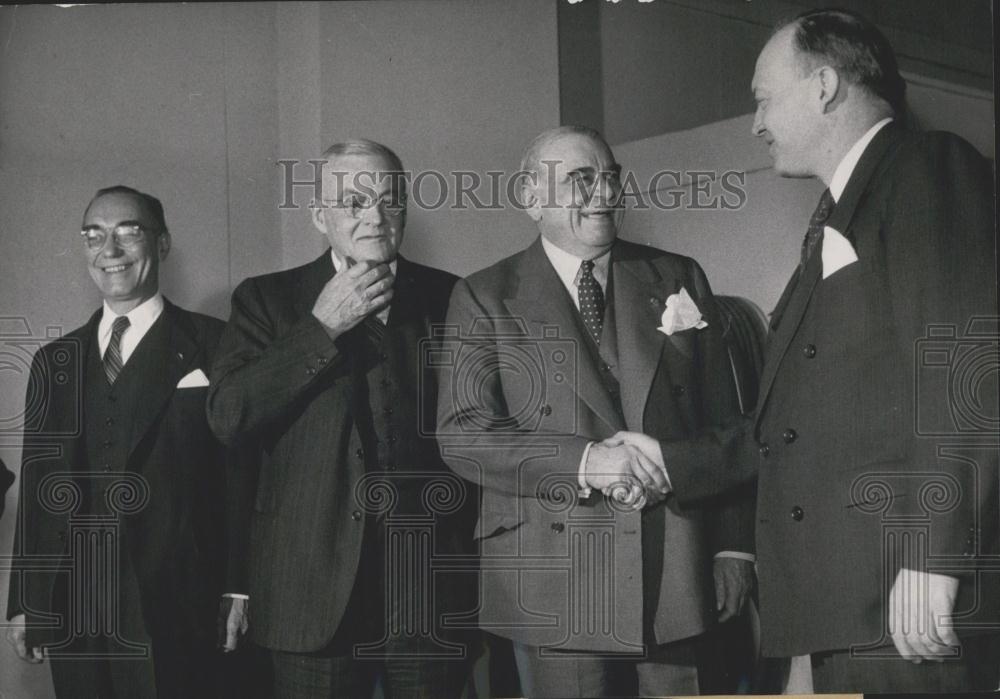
(792, 306)
(639, 296)
(165, 363)
(86, 337)
(311, 281)
(541, 300)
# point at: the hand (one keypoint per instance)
(355, 292)
(644, 443)
(920, 607)
(624, 473)
(733, 582)
(16, 637)
(233, 621)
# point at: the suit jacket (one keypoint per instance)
(866, 425)
(280, 381)
(521, 397)
(175, 541)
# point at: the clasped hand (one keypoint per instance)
(628, 467)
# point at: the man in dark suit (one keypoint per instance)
(603, 583)
(878, 482)
(119, 533)
(321, 366)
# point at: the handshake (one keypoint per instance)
(628, 467)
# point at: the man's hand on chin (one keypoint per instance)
(920, 607)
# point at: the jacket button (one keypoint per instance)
(391, 467)
(387, 410)
(764, 450)
(679, 391)
(809, 351)
(109, 421)
(310, 371)
(391, 439)
(360, 453)
(558, 527)
(789, 435)
(545, 410)
(107, 467)
(798, 513)
(322, 360)
(356, 515)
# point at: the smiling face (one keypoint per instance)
(356, 227)
(126, 275)
(576, 198)
(789, 115)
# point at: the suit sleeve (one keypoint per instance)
(713, 461)
(938, 233)
(258, 373)
(26, 524)
(475, 430)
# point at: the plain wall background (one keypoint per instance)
(197, 103)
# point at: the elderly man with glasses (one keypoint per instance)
(321, 367)
(119, 548)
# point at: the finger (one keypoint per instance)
(720, 593)
(647, 471)
(230, 644)
(379, 302)
(732, 607)
(36, 655)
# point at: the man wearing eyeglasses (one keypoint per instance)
(119, 536)
(321, 366)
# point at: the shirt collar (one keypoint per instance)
(847, 164)
(338, 263)
(567, 265)
(140, 318)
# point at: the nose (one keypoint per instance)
(111, 247)
(374, 214)
(758, 124)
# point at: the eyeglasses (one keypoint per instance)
(126, 235)
(356, 205)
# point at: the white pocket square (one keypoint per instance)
(837, 252)
(681, 313)
(193, 380)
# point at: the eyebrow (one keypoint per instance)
(120, 223)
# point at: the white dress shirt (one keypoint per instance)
(140, 318)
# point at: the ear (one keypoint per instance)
(829, 87)
(530, 200)
(163, 244)
(318, 215)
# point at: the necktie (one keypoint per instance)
(375, 329)
(113, 354)
(816, 222)
(591, 300)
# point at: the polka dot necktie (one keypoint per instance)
(591, 300)
(816, 222)
(113, 354)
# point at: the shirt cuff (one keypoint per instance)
(736, 554)
(581, 473)
(235, 595)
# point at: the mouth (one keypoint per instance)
(114, 269)
(599, 214)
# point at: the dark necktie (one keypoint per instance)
(816, 222)
(591, 300)
(113, 354)
(375, 329)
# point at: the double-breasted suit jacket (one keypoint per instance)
(869, 450)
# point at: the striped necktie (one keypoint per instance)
(113, 354)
